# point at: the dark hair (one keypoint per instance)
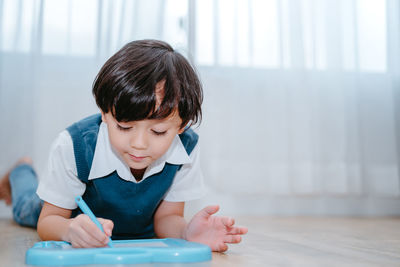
(126, 84)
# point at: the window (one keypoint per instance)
(275, 34)
(311, 34)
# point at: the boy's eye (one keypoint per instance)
(123, 128)
(159, 133)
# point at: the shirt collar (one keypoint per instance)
(106, 160)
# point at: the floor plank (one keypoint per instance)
(273, 241)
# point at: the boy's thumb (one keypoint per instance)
(209, 210)
(107, 225)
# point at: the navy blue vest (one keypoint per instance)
(131, 206)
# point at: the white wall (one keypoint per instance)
(301, 111)
(269, 146)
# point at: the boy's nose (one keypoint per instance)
(139, 140)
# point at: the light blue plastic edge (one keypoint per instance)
(51, 253)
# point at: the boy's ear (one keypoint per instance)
(181, 130)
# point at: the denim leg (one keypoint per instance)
(26, 203)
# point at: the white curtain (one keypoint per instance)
(302, 105)
(302, 98)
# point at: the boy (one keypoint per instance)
(138, 162)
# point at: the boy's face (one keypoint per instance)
(140, 143)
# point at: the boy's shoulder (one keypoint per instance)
(85, 125)
(189, 139)
(94, 119)
(84, 138)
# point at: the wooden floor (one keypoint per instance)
(272, 241)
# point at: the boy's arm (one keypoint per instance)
(169, 220)
(55, 224)
(214, 231)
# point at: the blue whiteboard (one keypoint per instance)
(168, 250)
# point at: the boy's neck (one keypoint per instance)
(138, 173)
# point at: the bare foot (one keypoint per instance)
(5, 187)
(24, 160)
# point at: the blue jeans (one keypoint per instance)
(26, 204)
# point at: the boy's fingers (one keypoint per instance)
(108, 225)
(222, 247)
(80, 243)
(243, 230)
(208, 211)
(228, 222)
(237, 231)
(232, 239)
(94, 237)
(94, 233)
(83, 231)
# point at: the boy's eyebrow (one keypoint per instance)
(168, 120)
(163, 122)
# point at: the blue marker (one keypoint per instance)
(84, 207)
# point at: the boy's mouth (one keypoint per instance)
(136, 158)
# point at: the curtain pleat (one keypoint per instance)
(302, 98)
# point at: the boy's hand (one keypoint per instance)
(213, 231)
(83, 232)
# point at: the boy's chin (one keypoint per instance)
(137, 165)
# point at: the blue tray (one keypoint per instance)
(168, 250)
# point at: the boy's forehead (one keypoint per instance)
(159, 92)
(172, 118)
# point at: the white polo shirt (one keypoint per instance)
(60, 183)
